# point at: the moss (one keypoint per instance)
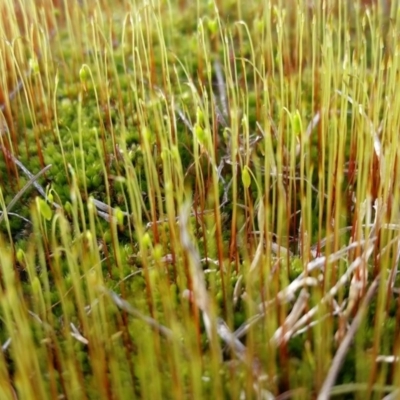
(113, 129)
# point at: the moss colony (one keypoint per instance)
(199, 199)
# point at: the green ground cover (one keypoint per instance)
(199, 200)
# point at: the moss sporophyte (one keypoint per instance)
(198, 199)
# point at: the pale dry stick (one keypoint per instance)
(189, 126)
(237, 289)
(394, 270)
(238, 348)
(221, 117)
(124, 305)
(392, 227)
(185, 121)
(200, 293)
(387, 359)
(225, 197)
(26, 171)
(224, 160)
(332, 292)
(48, 328)
(234, 344)
(75, 332)
(240, 351)
(288, 294)
(273, 127)
(344, 346)
(164, 220)
(281, 250)
(313, 123)
(107, 212)
(20, 217)
(316, 322)
(260, 248)
(330, 295)
(31, 181)
(12, 94)
(359, 280)
(275, 248)
(317, 263)
(210, 260)
(77, 335)
(6, 345)
(222, 329)
(392, 396)
(330, 238)
(245, 327)
(222, 94)
(358, 262)
(298, 308)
